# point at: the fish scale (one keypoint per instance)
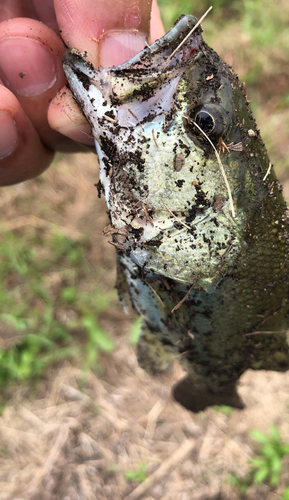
(209, 280)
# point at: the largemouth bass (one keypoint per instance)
(202, 254)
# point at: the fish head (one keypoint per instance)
(181, 159)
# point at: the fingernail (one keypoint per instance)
(117, 47)
(9, 134)
(80, 132)
(26, 66)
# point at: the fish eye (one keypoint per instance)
(210, 118)
(206, 121)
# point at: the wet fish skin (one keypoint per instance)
(171, 220)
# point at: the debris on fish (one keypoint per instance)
(202, 254)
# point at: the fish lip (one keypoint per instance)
(75, 65)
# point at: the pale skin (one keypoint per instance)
(37, 113)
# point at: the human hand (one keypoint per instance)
(32, 127)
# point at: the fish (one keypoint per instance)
(197, 215)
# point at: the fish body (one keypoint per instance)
(209, 276)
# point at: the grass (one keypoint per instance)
(138, 475)
(44, 305)
(261, 26)
(51, 300)
(285, 495)
(171, 10)
(224, 409)
(267, 466)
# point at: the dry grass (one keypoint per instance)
(66, 443)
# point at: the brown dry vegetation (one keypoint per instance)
(73, 435)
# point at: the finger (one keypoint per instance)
(22, 154)
(65, 117)
(33, 9)
(15, 8)
(157, 28)
(46, 14)
(31, 67)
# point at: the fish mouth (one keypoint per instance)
(173, 47)
(154, 64)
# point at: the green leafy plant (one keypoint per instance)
(138, 475)
(98, 340)
(226, 410)
(267, 466)
(241, 483)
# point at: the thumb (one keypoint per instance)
(91, 26)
